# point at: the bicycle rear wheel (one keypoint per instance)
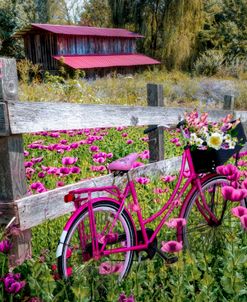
(76, 258)
(202, 235)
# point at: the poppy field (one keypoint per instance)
(54, 159)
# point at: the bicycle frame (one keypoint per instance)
(173, 202)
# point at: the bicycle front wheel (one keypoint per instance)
(77, 251)
(200, 234)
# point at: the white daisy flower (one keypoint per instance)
(215, 140)
(231, 144)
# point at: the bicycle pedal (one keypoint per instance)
(168, 260)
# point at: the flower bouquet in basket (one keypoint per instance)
(212, 143)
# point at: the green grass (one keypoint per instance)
(180, 89)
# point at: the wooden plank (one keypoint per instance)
(8, 80)
(155, 97)
(241, 114)
(4, 120)
(12, 172)
(228, 103)
(26, 117)
(35, 209)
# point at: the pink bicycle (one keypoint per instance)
(102, 236)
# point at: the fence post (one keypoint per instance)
(156, 138)
(12, 171)
(228, 102)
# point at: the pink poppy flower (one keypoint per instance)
(230, 171)
(129, 142)
(51, 170)
(142, 180)
(107, 268)
(41, 174)
(239, 211)
(97, 168)
(137, 164)
(5, 246)
(37, 159)
(144, 139)
(174, 140)
(158, 191)
(26, 153)
(68, 253)
(109, 155)
(229, 193)
(120, 128)
(243, 220)
(99, 160)
(64, 171)
(69, 271)
(36, 185)
(168, 178)
(69, 160)
(74, 145)
(134, 207)
(124, 134)
(176, 223)
(94, 148)
(54, 134)
(145, 154)
(28, 164)
(187, 173)
(242, 163)
(244, 184)
(171, 246)
(63, 141)
(124, 298)
(29, 172)
(75, 170)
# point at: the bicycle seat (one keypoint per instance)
(123, 164)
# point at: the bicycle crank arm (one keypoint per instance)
(168, 260)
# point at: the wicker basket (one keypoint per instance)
(207, 160)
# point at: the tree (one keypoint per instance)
(225, 28)
(170, 27)
(96, 13)
(182, 23)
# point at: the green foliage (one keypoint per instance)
(40, 281)
(182, 22)
(225, 27)
(96, 13)
(209, 63)
(28, 71)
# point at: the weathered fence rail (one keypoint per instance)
(17, 118)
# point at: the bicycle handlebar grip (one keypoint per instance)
(150, 129)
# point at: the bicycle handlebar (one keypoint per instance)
(154, 127)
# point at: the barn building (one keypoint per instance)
(92, 49)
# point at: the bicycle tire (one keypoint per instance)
(71, 243)
(198, 234)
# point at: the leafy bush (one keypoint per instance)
(209, 63)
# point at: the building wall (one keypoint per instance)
(40, 48)
(78, 45)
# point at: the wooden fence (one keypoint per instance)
(17, 118)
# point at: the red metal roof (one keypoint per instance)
(86, 30)
(103, 61)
